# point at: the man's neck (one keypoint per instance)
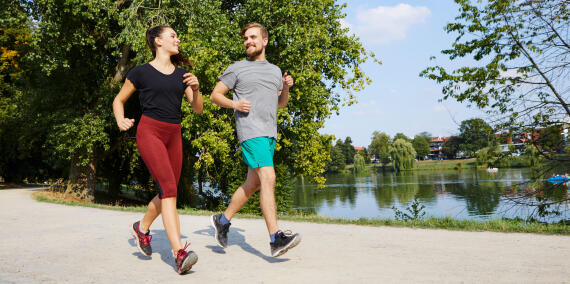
(260, 57)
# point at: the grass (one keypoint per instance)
(447, 223)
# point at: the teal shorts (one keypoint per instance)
(258, 152)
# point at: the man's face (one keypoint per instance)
(254, 42)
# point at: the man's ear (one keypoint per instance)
(265, 41)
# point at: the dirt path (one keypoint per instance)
(43, 242)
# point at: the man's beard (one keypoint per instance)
(253, 53)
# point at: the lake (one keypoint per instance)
(466, 194)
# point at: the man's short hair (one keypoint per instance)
(264, 33)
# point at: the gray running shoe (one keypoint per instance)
(221, 234)
(284, 241)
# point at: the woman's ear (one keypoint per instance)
(157, 41)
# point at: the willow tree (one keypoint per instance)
(403, 155)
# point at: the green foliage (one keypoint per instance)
(337, 162)
(421, 146)
(487, 155)
(475, 134)
(359, 164)
(415, 210)
(403, 155)
(533, 156)
(450, 147)
(550, 138)
(381, 146)
(520, 68)
(80, 51)
(348, 150)
(401, 136)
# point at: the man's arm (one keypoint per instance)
(218, 97)
(284, 94)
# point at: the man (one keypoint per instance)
(258, 89)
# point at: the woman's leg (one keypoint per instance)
(152, 211)
(155, 151)
(170, 217)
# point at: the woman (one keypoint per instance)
(159, 139)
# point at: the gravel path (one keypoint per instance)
(42, 242)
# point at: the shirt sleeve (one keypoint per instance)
(280, 80)
(134, 77)
(229, 78)
(182, 72)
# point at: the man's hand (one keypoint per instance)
(242, 105)
(192, 81)
(287, 81)
(125, 123)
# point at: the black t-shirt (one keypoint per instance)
(160, 94)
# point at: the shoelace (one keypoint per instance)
(287, 233)
(225, 228)
(182, 252)
(146, 238)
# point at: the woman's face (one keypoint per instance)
(168, 41)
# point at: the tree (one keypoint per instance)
(421, 146)
(403, 155)
(380, 147)
(450, 147)
(488, 155)
(348, 150)
(83, 49)
(401, 136)
(549, 138)
(337, 162)
(428, 136)
(520, 68)
(359, 164)
(475, 134)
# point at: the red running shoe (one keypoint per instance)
(184, 260)
(142, 239)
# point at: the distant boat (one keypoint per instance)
(558, 179)
(492, 170)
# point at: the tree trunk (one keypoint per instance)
(82, 179)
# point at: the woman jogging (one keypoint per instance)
(159, 139)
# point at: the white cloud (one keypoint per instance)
(384, 24)
(439, 108)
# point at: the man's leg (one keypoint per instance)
(243, 193)
(267, 197)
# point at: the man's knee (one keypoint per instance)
(267, 176)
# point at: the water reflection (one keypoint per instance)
(467, 194)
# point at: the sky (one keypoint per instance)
(403, 35)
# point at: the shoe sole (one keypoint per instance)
(190, 260)
(216, 231)
(291, 245)
(134, 234)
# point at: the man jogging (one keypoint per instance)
(259, 88)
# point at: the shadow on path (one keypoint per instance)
(236, 238)
(160, 245)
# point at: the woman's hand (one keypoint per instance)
(125, 123)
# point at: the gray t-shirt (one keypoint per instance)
(259, 82)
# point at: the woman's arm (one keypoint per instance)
(195, 99)
(193, 93)
(119, 106)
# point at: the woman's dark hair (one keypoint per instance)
(154, 32)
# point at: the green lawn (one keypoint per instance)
(496, 225)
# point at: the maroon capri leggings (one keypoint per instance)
(160, 146)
